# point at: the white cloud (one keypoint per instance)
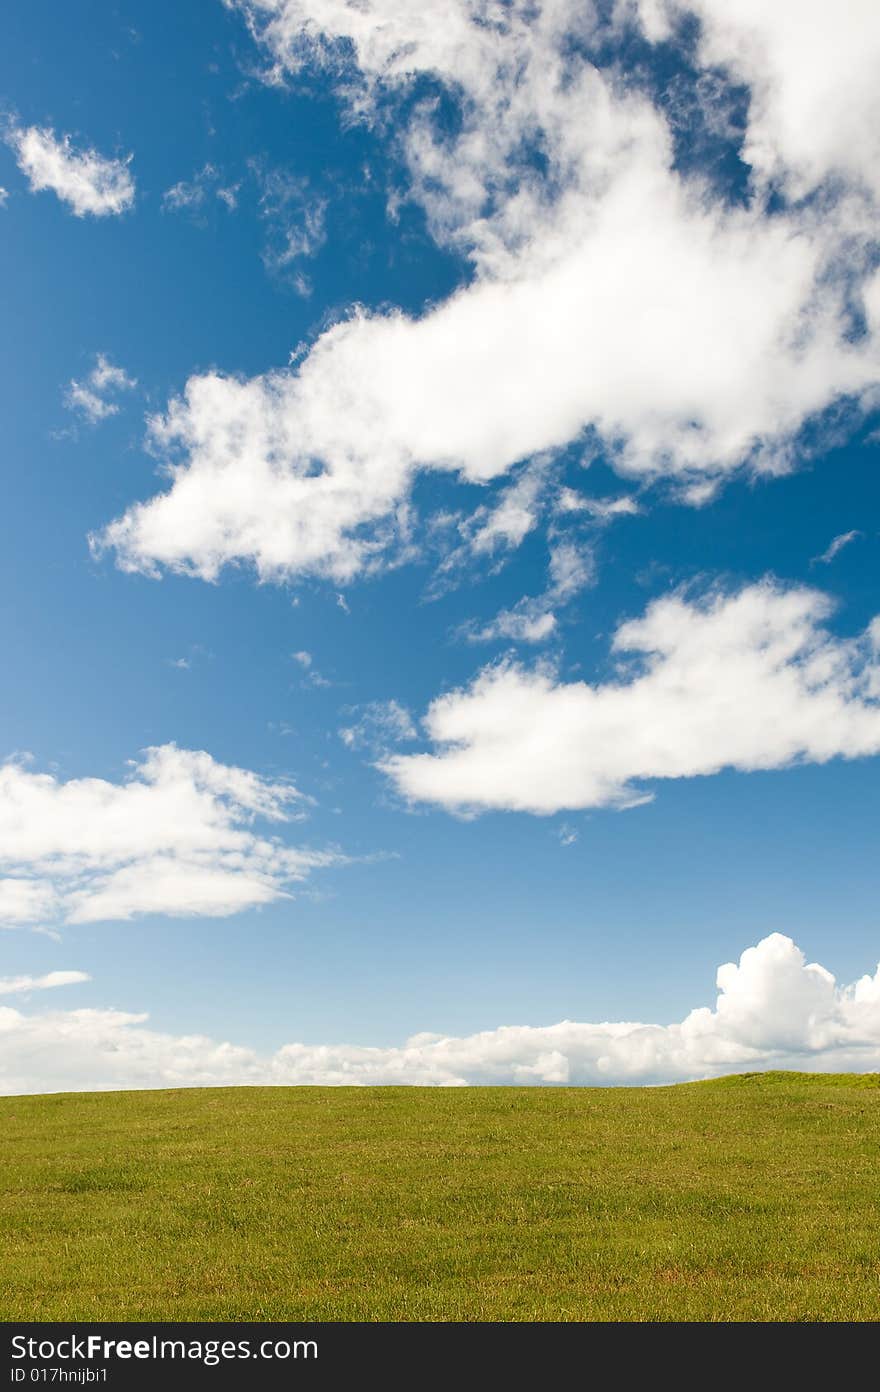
(25, 901)
(311, 675)
(531, 619)
(811, 69)
(774, 1010)
(488, 533)
(21, 985)
(748, 681)
(571, 569)
(610, 293)
(295, 217)
(514, 514)
(835, 546)
(380, 724)
(85, 180)
(599, 509)
(177, 837)
(191, 195)
(248, 488)
(4, 197)
(91, 398)
(105, 376)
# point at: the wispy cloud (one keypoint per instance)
(295, 220)
(533, 618)
(90, 184)
(378, 727)
(835, 547)
(22, 985)
(176, 837)
(196, 653)
(311, 675)
(191, 195)
(91, 398)
(599, 509)
(528, 621)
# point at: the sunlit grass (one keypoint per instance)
(754, 1197)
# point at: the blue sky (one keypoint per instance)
(480, 310)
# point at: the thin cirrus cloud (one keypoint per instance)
(294, 217)
(177, 837)
(23, 985)
(378, 726)
(835, 546)
(88, 182)
(191, 195)
(694, 344)
(751, 680)
(773, 1010)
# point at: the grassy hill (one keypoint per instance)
(753, 1197)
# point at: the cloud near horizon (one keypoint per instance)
(176, 838)
(774, 1010)
(752, 680)
(693, 345)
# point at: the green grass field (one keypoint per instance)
(755, 1197)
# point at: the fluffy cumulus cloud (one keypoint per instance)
(774, 1010)
(752, 680)
(693, 342)
(177, 837)
(88, 182)
(814, 108)
(93, 398)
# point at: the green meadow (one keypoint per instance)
(753, 1197)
